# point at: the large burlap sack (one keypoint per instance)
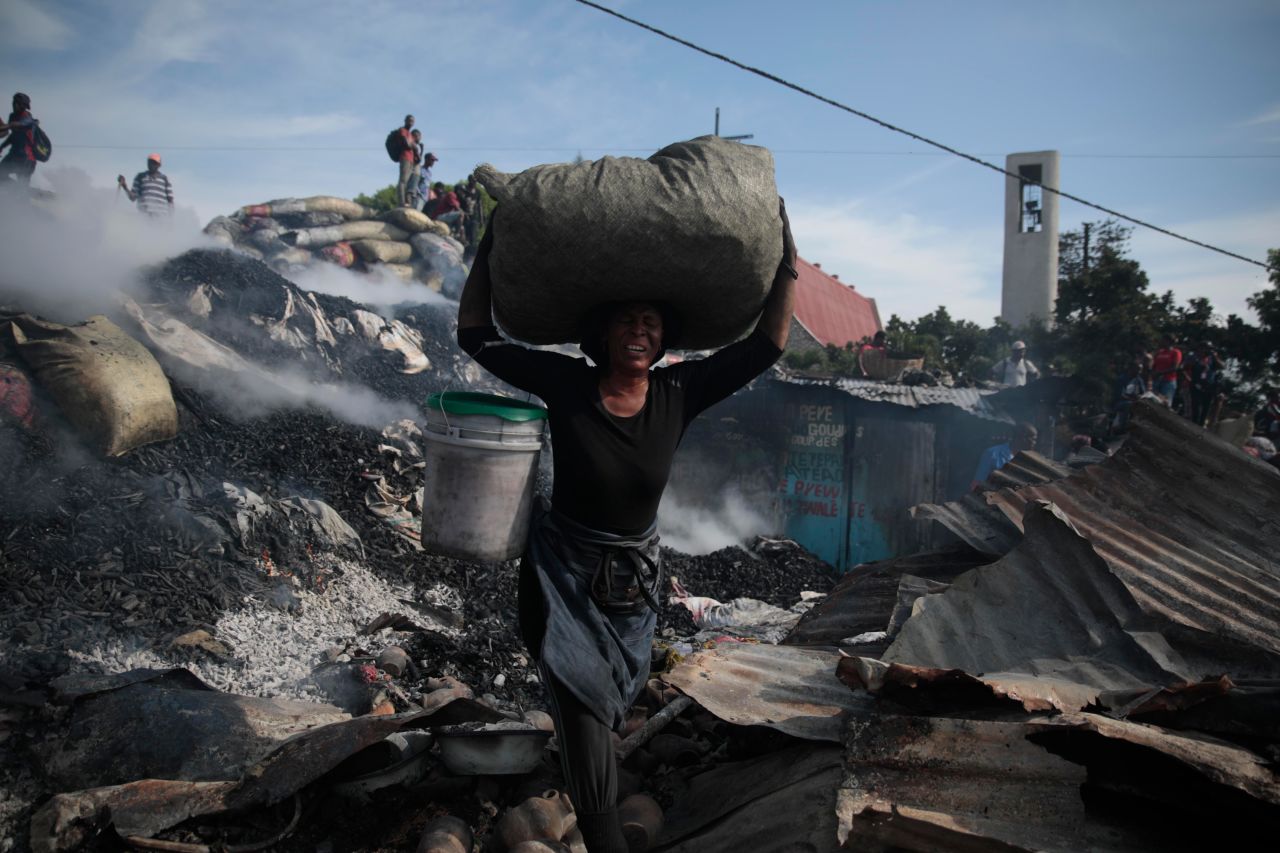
(316, 219)
(291, 256)
(440, 260)
(404, 272)
(106, 383)
(315, 204)
(383, 251)
(696, 225)
(224, 229)
(366, 229)
(413, 221)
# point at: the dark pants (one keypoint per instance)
(586, 745)
(17, 167)
(1201, 403)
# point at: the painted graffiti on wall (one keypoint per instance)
(813, 491)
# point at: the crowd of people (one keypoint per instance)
(1188, 379)
(460, 208)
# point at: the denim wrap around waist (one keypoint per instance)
(597, 593)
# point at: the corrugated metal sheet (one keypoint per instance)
(1188, 523)
(1050, 609)
(833, 312)
(864, 598)
(790, 689)
(972, 401)
(935, 783)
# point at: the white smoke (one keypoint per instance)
(700, 528)
(378, 289)
(67, 252)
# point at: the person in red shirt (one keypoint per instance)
(445, 207)
(408, 162)
(1164, 369)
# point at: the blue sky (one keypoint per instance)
(249, 101)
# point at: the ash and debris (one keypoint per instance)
(115, 564)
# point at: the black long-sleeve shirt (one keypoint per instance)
(610, 471)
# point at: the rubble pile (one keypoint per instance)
(267, 554)
(292, 234)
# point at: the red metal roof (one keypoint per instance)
(830, 310)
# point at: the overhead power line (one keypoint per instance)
(648, 149)
(927, 141)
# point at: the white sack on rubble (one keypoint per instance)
(696, 225)
(107, 384)
(383, 251)
(395, 337)
(349, 231)
(315, 204)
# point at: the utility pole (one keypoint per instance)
(1085, 254)
(738, 138)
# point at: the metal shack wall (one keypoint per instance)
(836, 473)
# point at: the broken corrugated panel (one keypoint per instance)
(1026, 468)
(970, 400)
(791, 689)
(1224, 763)
(935, 783)
(777, 803)
(974, 522)
(1189, 524)
(1050, 609)
(864, 599)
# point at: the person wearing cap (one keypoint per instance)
(151, 189)
(1016, 369)
(591, 576)
(19, 133)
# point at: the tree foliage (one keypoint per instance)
(1106, 312)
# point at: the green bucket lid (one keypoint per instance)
(471, 403)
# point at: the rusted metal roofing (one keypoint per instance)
(939, 783)
(791, 689)
(832, 311)
(1188, 523)
(972, 401)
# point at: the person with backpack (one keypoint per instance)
(151, 190)
(25, 140)
(400, 150)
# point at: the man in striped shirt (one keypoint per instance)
(151, 189)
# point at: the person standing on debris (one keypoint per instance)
(20, 137)
(413, 194)
(1205, 370)
(1016, 369)
(997, 456)
(590, 577)
(1164, 369)
(151, 189)
(406, 162)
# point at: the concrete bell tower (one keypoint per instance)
(1030, 285)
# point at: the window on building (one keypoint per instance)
(1031, 198)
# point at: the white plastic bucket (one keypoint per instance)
(481, 452)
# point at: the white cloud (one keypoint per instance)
(27, 25)
(908, 265)
(1268, 116)
(176, 30)
(1190, 270)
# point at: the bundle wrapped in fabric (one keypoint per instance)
(413, 221)
(339, 253)
(107, 384)
(695, 226)
(383, 251)
(315, 204)
(366, 229)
